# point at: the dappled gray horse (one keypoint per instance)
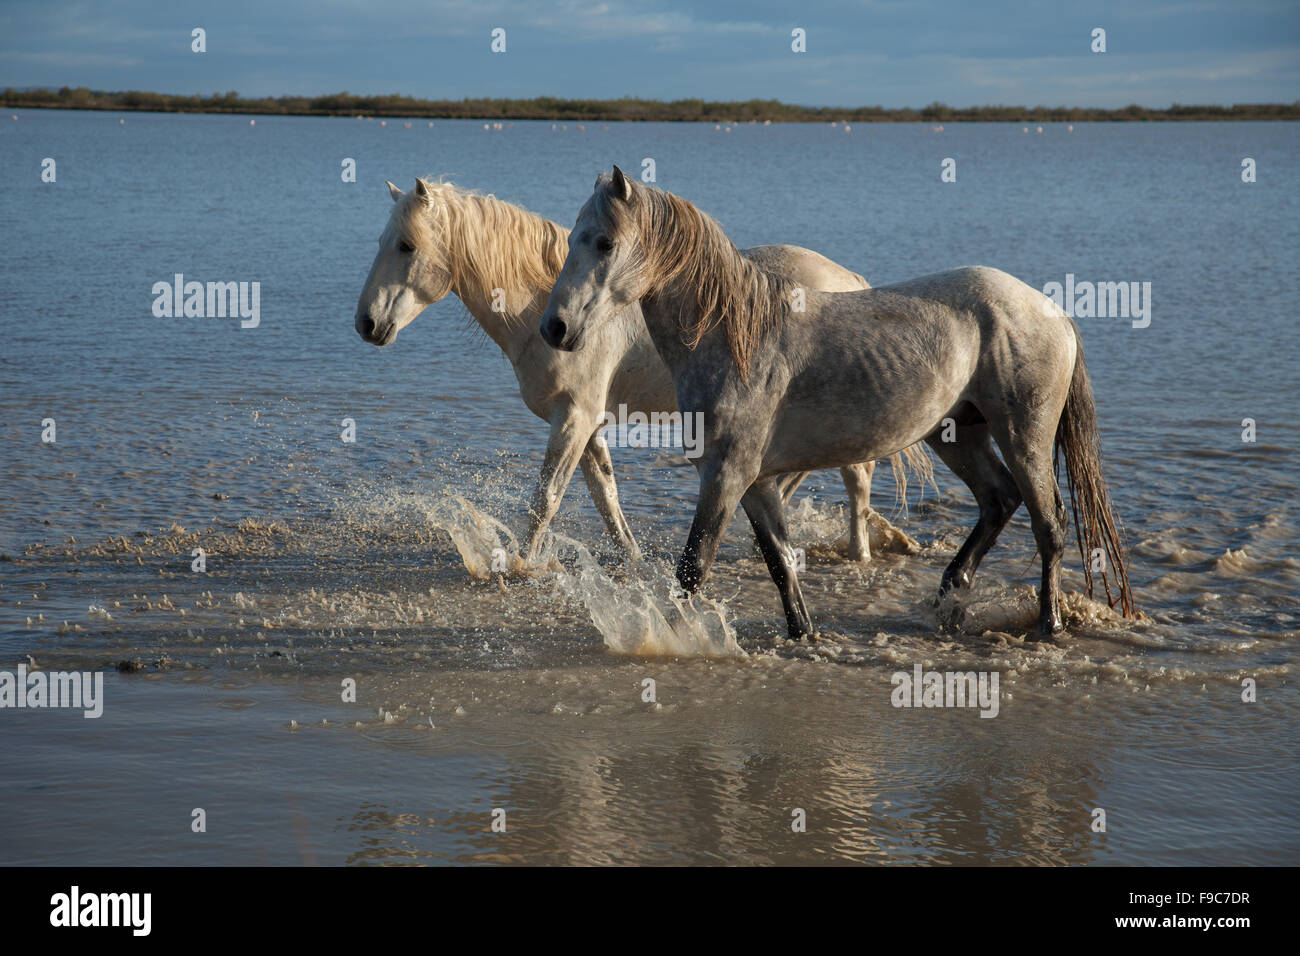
(850, 377)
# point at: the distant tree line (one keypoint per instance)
(628, 108)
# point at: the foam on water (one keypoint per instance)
(996, 609)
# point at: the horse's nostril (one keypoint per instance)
(554, 331)
(367, 326)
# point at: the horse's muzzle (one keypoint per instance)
(372, 332)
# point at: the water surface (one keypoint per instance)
(330, 560)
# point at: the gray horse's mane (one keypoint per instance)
(684, 247)
(483, 243)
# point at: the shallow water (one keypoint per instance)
(371, 560)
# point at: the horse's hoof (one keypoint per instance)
(951, 616)
(953, 581)
(1046, 633)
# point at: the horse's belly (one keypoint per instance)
(842, 425)
(808, 447)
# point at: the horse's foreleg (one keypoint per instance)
(720, 491)
(972, 459)
(598, 470)
(857, 482)
(569, 434)
(762, 503)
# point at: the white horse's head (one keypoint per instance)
(409, 272)
(602, 273)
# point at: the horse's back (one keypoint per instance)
(983, 291)
(1023, 336)
(805, 267)
(966, 284)
(998, 307)
(969, 334)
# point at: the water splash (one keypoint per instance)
(648, 614)
(998, 608)
(825, 527)
(486, 545)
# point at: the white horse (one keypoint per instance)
(852, 376)
(501, 261)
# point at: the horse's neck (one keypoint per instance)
(511, 321)
(666, 309)
(661, 311)
(512, 327)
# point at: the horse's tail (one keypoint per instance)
(1095, 523)
(917, 458)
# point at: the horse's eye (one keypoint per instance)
(405, 246)
(604, 245)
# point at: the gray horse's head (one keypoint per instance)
(408, 274)
(602, 274)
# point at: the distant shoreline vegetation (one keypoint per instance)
(626, 109)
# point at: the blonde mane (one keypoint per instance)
(484, 243)
(684, 247)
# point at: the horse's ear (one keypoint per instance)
(394, 191)
(621, 185)
(422, 190)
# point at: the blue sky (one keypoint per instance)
(896, 53)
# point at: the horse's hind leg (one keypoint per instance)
(972, 459)
(1028, 453)
(857, 482)
(788, 484)
(598, 470)
(762, 503)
